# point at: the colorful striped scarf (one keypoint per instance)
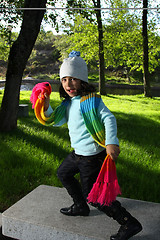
(57, 115)
(88, 107)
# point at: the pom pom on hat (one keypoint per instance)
(74, 54)
(74, 66)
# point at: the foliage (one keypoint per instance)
(43, 60)
(122, 41)
(6, 41)
(83, 38)
(81, 6)
(61, 43)
(44, 42)
(10, 14)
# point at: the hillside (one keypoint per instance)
(42, 63)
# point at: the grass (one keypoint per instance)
(31, 154)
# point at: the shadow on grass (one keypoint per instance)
(137, 181)
(21, 171)
(138, 165)
(137, 129)
(52, 145)
(122, 98)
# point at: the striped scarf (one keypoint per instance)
(57, 115)
(88, 107)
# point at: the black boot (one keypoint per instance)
(77, 209)
(80, 207)
(128, 230)
(129, 225)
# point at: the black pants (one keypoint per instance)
(87, 166)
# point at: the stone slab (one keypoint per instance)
(37, 217)
(2, 237)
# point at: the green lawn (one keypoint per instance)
(31, 154)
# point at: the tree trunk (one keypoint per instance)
(102, 89)
(146, 75)
(19, 54)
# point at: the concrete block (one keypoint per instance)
(37, 217)
(0, 220)
(23, 110)
(2, 237)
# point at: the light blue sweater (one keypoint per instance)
(80, 138)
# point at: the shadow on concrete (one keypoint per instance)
(2, 237)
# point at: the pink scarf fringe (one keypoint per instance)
(106, 187)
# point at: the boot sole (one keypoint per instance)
(71, 213)
(129, 236)
(76, 214)
(135, 233)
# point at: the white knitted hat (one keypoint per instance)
(74, 66)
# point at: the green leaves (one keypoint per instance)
(6, 40)
(123, 44)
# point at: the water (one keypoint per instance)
(29, 87)
(25, 87)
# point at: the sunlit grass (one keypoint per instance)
(31, 154)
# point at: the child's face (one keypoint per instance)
(71, 86)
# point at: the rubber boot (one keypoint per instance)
(130, 226)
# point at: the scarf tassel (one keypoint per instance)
(106, 187)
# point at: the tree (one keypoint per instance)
(88, 15)
(19, 54)
(124, 42)
(147, 88)
(101, 49)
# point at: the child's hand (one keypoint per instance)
(46, 100)
(113, 150)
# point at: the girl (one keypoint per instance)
(87, 156)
